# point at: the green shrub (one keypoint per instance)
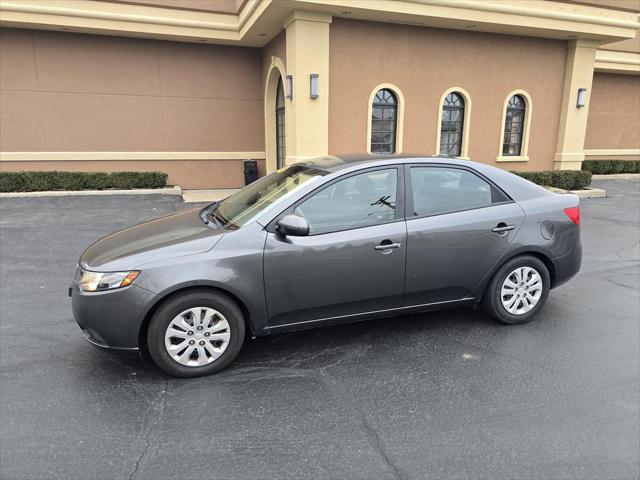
(631, 166)
(618, 166)
(594, 166)
(11, 181)
(565, 179)
(606, 167)
(54, 180)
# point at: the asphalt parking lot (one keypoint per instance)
(439, 395)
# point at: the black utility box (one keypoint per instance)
(250, 171)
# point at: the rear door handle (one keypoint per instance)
(502, 227)
(387, 246)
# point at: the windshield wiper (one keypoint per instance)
(206, 211)
(217, 218)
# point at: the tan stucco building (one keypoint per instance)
(194, 87)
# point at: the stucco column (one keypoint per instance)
(307, 54)
(581, 55)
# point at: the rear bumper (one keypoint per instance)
(111, 320)
(567, 266)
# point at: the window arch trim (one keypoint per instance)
(524, 148)
(399, 114)
(466, 121)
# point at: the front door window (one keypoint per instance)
(357, 201)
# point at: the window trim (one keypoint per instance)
(400, 214)
(524, 148)
(466, 121)
(408, 189)
(399, 116)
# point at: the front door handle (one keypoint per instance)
(502, 228)
(387, 245)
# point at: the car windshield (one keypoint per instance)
(236, 210)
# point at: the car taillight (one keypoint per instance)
(574, 214)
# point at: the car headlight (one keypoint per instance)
(99, 281)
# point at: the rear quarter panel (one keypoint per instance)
(547, 227)
(545, 214)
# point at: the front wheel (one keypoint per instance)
(195, 333)
(518, 290)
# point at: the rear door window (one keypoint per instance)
(439, 190)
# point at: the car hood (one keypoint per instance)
(175, 235)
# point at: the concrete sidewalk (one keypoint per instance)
(202, 196)
(175, 190)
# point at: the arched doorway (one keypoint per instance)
(275, 113)
(281, 145)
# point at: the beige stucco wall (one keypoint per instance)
(275, 48)
(70, 92)
(424, 63)
(614, 114)
(631, 45)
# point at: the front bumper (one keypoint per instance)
(111, 319)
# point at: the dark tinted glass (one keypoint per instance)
(281, 150)
(452, 125)
(513, 126)
(357, 201)
(383, 122)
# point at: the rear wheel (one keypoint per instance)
(195, 333)
(518, 290)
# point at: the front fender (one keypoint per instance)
(234, 266)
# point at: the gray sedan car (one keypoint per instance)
(329, 241)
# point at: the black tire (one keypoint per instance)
(179, 303)
(491, 299)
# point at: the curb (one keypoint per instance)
(590, 192)
(587, 192)
(617, 176)
(70, 193)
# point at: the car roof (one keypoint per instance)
(334, 163)
(515, 186)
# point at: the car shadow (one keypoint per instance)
(320, 347)
(314, 347)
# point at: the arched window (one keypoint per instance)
(384, 115)
(514, 126)
(452, 125)
(281, 151)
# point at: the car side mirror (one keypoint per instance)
(293, 225)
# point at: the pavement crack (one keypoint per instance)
(620, 284)
(359, 416)
(619, 251)
(160, 405)
(373, 435)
